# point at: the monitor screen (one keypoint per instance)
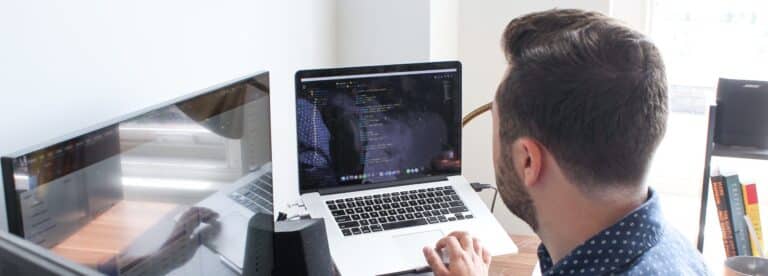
(374, 125)
(160, 182)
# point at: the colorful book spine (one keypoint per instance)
(721, 202)
(753, 212)
(733, 192)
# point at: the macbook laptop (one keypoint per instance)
(379, 158)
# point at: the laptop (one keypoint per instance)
(237, 202)
(379, 159)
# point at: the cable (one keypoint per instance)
(478, 187)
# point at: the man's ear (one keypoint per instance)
(528, 159)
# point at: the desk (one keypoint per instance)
(521, 263)
(111, 232)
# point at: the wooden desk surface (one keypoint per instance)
(521, 263)
(111, 232)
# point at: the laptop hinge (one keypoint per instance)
(362, 187)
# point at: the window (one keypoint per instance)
(700, 42)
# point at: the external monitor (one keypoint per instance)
(377, 126)
(143, 192)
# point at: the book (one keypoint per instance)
(735, 198)
(721, 202)
(753, 212)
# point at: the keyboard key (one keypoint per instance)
(357, 217)
(391, 219)
(332, 207)
(365, 229)
(405, 223)
(337, 213)
(409, 216)
(400, 217)
(341, 219)
(364, 222)
(468, 216)
(356, 231)
(442, 211)
(418, 215)
(346, 232)
(456, 203)
(433, 220)
(377, 207)
(342, 206)
(459, 209)
(365, 216)
(372, 221)
(442, 219)
(451, 219)
(374, 215)
(401, 211)
(376, 228)
(348, 224)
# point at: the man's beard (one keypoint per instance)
(515, 196)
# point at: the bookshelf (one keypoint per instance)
(717, 150)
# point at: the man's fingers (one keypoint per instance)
(477, 246)
(465, 239)
(486, 256)
(434, 261)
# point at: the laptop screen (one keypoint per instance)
(373, 125)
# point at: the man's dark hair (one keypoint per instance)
(590, 89)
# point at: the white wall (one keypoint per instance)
(382, 32)
(480, 26)
(65, 65)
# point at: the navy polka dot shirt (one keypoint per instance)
(641, 243)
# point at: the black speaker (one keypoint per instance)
(742, 110)
(295, 248)
(259, 246)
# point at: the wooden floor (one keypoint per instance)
(521, 263)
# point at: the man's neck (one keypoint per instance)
(569, 219)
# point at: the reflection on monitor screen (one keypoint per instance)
(144, 194)
(365, 128)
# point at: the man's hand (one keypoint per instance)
(467, 256)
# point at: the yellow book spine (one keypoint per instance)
(753, 212)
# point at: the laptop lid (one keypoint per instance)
(378, 126)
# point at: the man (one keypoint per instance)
(577, 118)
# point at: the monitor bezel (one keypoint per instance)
(377, 69)
(12, 201)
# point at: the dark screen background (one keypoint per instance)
(381, 129)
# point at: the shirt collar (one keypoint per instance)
(614, 247)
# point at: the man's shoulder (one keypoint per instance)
(672, 255)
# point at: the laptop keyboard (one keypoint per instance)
(387, 211)
(256, 195)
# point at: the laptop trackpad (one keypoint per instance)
(410, 245)
(230, 240)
